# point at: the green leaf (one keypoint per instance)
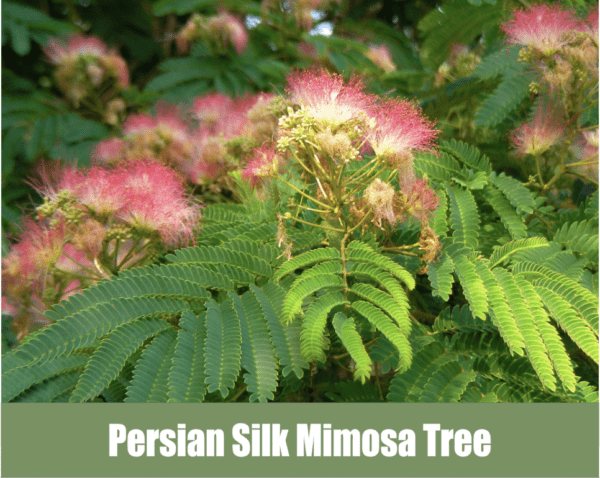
(526, 320)
(346, 331)
(17, 380)
(257, 350)
(504, 252)
(512, 221)
(518, 195)
(112, 354)
(504, 100)
(150, 378)
(390, 330)
(440, 276)
(286, 338)
(464, 217)
(223, 349)
(313, 326)
(187, 376)
(361, 252)
(307, 259)
(472, 285)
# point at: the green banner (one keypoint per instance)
(300, 440)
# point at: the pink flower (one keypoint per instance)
(77, 45)
(263, 164)
(400, 128)
(155, 201)
(327, 97)
(380, 55)
(380, 197)
(422, 200)
(592, 23)
(38, 249)
(229, 29)
(542, 27)
(542, 132)
(138, 123)
(109, 150)
(213, 111)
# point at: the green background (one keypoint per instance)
(527, 439)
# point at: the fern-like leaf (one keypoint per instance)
(505, 251)
(223, 347)
(522, 313)
(468, 155)
(501, 313)
(306, 259)
(440, 276)
(346, 331)
(221, 255)
(313, 327)
(387, 327)
(150, 378)
(566, 317)
(518, 195)
(52, 389)
(447, 384)
(82, 328)
(187, 376)
(582, 300)
(552, 342)
(303, 288)
(512, 221)
(257, 350)
(361, 252)
(464, 216)
(472, 285)
(286, 338)
(112, 354)
(396, 310)
(504, 100)
(17, 380)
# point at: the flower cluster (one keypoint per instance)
(92, 224)
(90, 74)
(218, 136)
(563, 49)
(324, 139)
(218, 32)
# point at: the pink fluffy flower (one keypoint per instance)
(541, 27)
(213, 111)
(592, 23)
(229, 29)
(380, 55)
(77, 45)
(422, 200)
(37, 250)
(221, 115)
(109, 150)
(400, 128)
(327, 97)
(544, 131)
(155, 200)
(263, 164)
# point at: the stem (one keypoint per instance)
(316, 201)
(400, 248)
(582, 176)
(237, 395)
(90, 271)
(583, 162)
(319, 225)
